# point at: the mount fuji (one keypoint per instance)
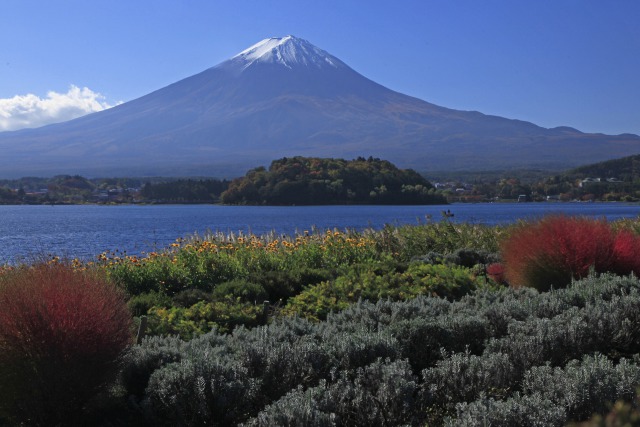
(286, 97)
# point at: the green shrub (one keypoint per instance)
(189, 297)
(158, 274)
(622, 414)
(281, 285)
(366, 282)
(467, 257)
(444, 237)
(202, 317)
(141, 304)
(240, 290)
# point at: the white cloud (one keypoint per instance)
(30, 111)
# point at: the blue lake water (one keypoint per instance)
(87, 230)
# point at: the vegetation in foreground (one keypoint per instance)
(61, 334)
(403, 326)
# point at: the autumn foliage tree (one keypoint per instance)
(317, 181)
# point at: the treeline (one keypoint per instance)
(626, 169)
(319, 181)
(75, 189)
(185, 191)
(612, 180)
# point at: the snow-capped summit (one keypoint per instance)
(286, 97)
(288, 51)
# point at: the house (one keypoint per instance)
(590, 181)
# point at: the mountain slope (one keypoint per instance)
(625, 169)
(286, 97)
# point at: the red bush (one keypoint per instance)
(557, 249)
(61, 333)
(495, 272)
(627, 251)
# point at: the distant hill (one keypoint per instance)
(624, 169)
(611, 180)
(318, 181)
(286, 97)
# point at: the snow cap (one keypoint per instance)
(288, 51)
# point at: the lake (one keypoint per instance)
(84, 231)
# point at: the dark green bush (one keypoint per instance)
(467, 257)
(240, 290)
(499, 307)
(429, 258)
(204, 316)
(281, 285)
(140, 304)
(622, 414)
(189, 297)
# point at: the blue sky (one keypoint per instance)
(551, 62)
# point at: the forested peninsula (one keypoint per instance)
(325, 181)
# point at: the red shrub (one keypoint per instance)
(495, 272)
(61, 333)
(627, 253)
(557, 249)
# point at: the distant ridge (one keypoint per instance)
(286, 97)
(625, 169)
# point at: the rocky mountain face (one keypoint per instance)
(286, 97)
